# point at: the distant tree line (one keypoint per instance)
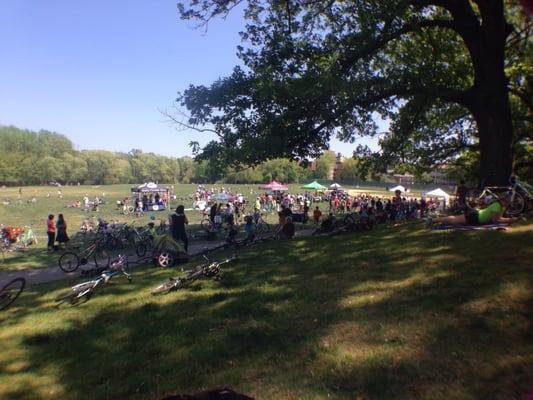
(33, 158)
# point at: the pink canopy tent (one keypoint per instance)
(275, 185)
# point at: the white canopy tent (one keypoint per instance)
(399, 187)
(335, 186)
(438, 193)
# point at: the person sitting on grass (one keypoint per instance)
(328, 223)
(491, 214)
(249, 229)
(288, 230)
(284, 214)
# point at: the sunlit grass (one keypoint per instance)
(35, 214)
(397, 313)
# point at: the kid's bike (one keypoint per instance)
(70, 261)
(85, 290)
(207, 270)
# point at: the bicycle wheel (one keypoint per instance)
(128, 210)
(206, 224)
(516, 205)
(262, 229)
(69, 262)
(141, 249)
(10, 292)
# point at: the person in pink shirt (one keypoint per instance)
(51, 232)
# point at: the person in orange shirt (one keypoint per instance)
(51, 232)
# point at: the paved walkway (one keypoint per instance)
(35, 276)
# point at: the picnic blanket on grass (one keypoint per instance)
(488, 227)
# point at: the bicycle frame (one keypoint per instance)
(84, 288)
(88, 251)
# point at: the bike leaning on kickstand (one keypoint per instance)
(70, 261)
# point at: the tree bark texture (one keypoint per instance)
(489, 96)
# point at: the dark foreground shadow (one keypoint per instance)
(396, 314)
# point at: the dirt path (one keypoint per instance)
(42, 275)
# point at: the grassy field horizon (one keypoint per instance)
(26, 213)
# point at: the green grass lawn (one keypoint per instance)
(35, 214)
(398, 313)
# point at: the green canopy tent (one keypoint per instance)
(314, 186)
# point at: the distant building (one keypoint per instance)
(404, 179)
(439, 178)
(335, 172)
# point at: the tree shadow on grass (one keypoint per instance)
(280, 327)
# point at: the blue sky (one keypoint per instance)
(100, 71)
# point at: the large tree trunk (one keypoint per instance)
(489, 101)
(494, 123)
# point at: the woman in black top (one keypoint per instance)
(212, 212)
(178, 220)
(61, 227)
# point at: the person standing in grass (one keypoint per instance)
(51, 232)
(61, 226)
(178, 220)
(317, 214)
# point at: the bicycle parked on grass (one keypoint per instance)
(10, 292)
(210, 226)
(142, 239)
(209, 269)
(517, 195)
(262, 229)
(85, 290)
(70, 261)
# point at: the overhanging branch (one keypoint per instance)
(387, 37)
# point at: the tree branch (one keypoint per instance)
(385, 38)
(524, 97)
(188, 126)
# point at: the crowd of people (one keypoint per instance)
(224, 206)
(392, 209)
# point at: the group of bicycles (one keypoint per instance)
(82, 292)
(107, 238)
(351, 222)
(85, 290)
(261, 227)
